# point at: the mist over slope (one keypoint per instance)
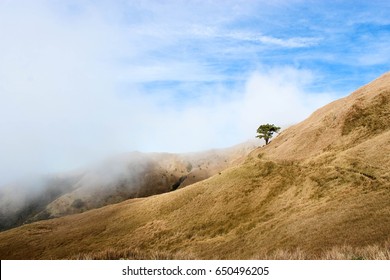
(321, 185)
(22, 200)
(119, 178)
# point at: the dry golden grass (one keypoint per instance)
(371, 252)
(313, 193)
(129, 254)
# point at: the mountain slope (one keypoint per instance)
(321, 185)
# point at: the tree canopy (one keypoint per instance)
(266, 131)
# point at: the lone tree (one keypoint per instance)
(266, 131)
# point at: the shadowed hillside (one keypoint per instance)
(122, 177)
(321, 189)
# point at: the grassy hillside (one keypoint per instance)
(321, 189)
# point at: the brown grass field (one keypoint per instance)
(319, 190)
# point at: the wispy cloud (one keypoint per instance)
(294, 42)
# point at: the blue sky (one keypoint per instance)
(82, 80)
